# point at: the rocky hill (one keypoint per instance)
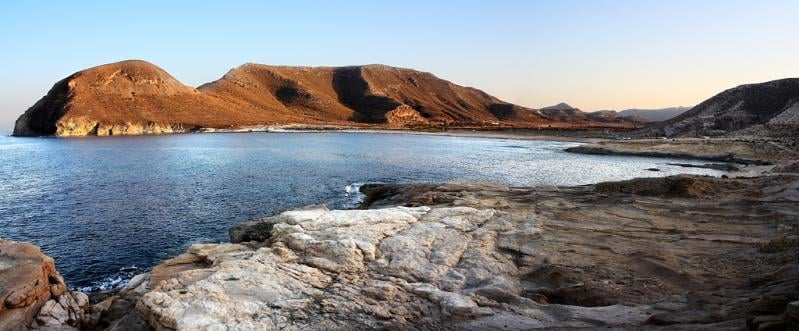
(137, 97)
(566, 113)
(765, 109)
(654, 115)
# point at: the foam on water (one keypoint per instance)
(113, 281)
(354, 195)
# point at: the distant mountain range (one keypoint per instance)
(655, 115)
(137, 97)
(565, 112)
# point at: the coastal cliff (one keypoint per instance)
(137, 97)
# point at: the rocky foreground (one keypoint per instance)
(682, 252)
(33, 293)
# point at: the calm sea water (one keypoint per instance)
(107, 208)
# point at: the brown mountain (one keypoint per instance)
(136, 97)
(764, 109)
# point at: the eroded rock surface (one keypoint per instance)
(480, 256)
(33, 293)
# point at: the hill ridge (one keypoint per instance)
(138, 97)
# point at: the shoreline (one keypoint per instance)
(598, 141)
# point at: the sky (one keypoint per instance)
(592, 54)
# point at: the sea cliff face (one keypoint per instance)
(87, 127)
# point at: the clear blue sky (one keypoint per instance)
(592, 54)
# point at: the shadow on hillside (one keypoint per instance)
(353, 91)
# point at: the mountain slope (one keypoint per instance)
(129, 97)
(366, 94)
(770, 109)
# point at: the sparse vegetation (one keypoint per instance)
(777, 245)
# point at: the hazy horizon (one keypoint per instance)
(592, 55)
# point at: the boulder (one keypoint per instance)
(28, 279)
(34, 293)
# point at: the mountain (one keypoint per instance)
(560, 107)
(764, 109)
(137, 97)
(562, 112)
(565, 112)
(655, 115)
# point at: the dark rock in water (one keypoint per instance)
(678, 153)
(260, 230)
(256, 230)
(716, 166)
(390, 194)
(653, 169)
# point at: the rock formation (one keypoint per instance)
(485, 256)
(33, 293)
(136, 97)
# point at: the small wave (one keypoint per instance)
(117, 280)
(354, 195)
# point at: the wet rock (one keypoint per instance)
(256, 230)
(715, 166)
